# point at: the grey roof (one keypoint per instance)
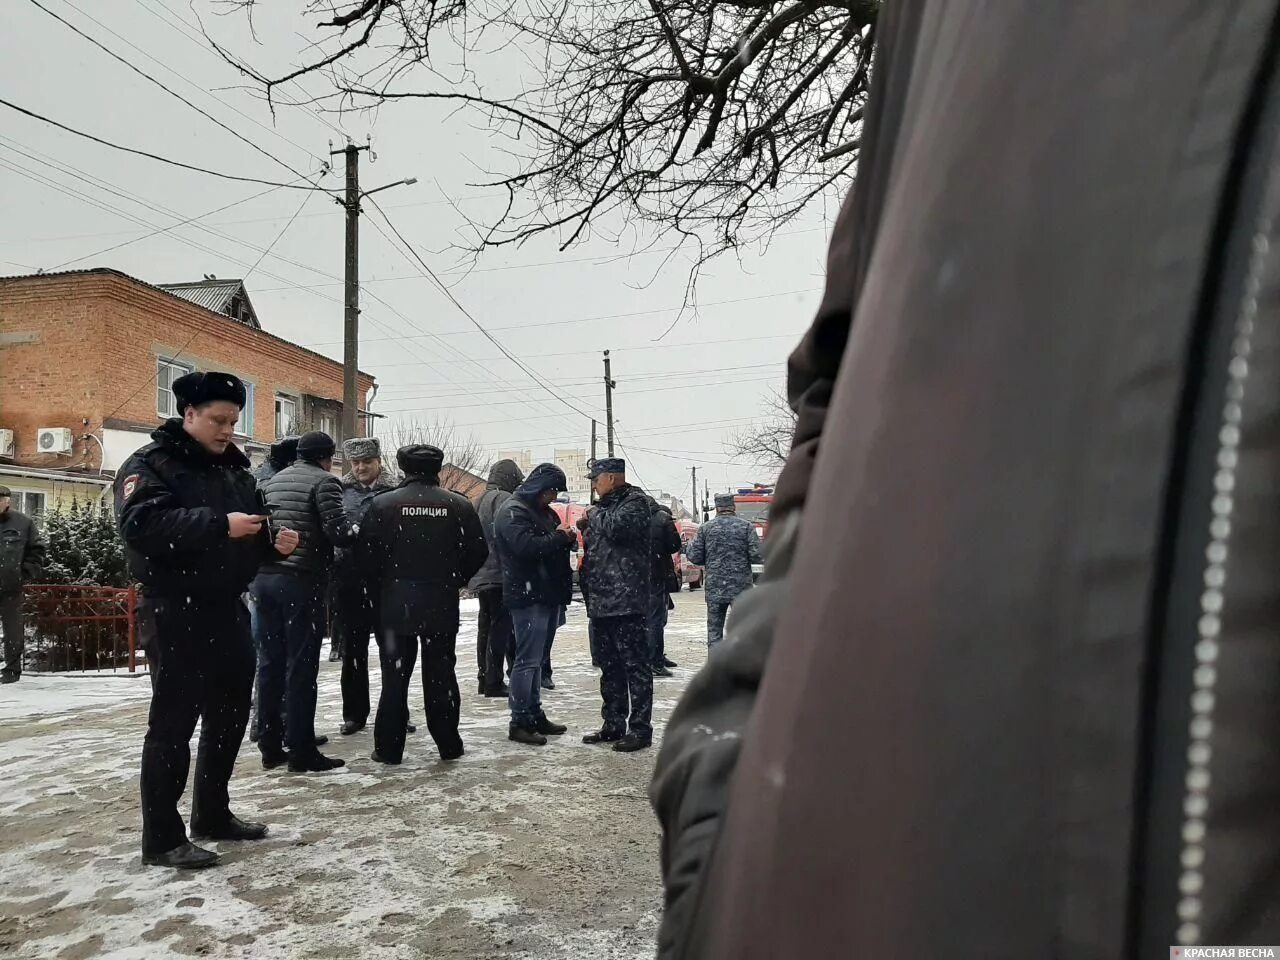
(227, 297)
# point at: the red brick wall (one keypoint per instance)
(94, 357)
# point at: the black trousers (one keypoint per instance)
(353, 622)
(201, 658)
(626, 674)
(11, 624)
(290, 628)
(399, 652)
(494, 637)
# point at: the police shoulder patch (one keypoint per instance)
(130, 486)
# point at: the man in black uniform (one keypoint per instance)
(194, 532)
(290, 595)
(420, 544)
(619, 570)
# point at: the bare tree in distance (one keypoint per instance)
(767, 443)
(462, 450)
(715, 122)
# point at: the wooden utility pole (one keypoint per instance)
(594, 424)
(609, 384)
(351, 299)
(693, 504)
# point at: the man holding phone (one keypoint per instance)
(195, 535)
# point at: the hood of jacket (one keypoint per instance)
(505, 475)
(175, 439)
(543, 477)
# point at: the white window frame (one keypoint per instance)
(21, 503)
(244, 428)
(329, 424)
(164, 363)
(283, 429)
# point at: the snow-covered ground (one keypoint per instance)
(513, 852)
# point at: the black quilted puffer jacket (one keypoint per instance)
(306, 498)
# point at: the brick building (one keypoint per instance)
(88, 359)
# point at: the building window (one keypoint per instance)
(286, 415)
(167, 371)
(245, 427)
(30, 503)
(328, 424)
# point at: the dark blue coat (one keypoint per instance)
(533, 553)
(619, 554)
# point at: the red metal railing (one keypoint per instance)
(95, 627)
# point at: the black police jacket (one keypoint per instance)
(419, 545)
(533, 555)
(172, 499)
(619, 564)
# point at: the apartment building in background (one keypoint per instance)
(88, 359)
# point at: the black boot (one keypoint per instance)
(550, 729)
(352, 726)
(603, 736)
(321, 740)
(452, 751)
(7, 677)
(316, 763)
(548, 683)
(661, 671)
(274, 758)
(376, 757)
(186, 857)
(501, 690)
(631, 743)
(669, 663)
(233, 829)
(530, 737)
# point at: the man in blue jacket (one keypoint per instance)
(533, 550)
(618, 590)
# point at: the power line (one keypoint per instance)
(605, 316)
(186, 30)
(236, 223)
(684, 344)
(153, 156)
(271, 246)
(488, 336)
(163, 230)
(102, 184)
(173, 93)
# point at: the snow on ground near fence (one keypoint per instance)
(514, 852)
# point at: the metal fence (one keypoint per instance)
(75, 627)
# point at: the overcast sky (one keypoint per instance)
(556, 311)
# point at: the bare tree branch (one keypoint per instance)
(767, 443)
(462, 450)
(712, 119)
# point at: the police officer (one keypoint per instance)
(618, 589)
(665, 541)
(351, 603)
(419, 544)
(194, 533)
(726, 547)
(290, 597)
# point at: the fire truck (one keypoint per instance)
(753, 504)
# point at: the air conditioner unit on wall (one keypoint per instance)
(6, 443)
(53, 440)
